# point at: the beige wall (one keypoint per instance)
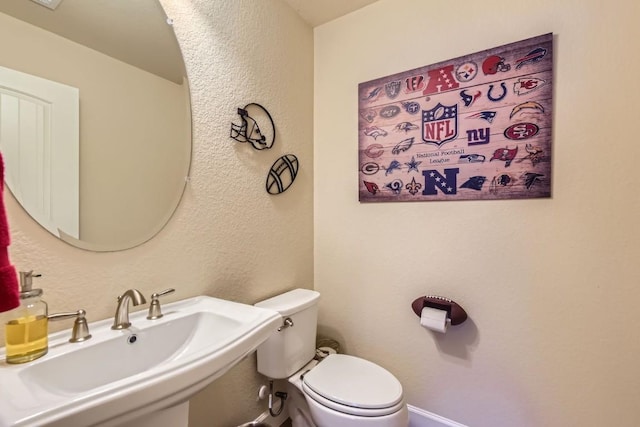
(551, 286)
(228, 238)
(133, 133)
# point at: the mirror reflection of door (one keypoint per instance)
(39, 133)
(135, 114)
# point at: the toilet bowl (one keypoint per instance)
(340, 390)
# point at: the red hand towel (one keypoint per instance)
(9, 292)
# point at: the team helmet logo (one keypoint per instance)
(494, 64)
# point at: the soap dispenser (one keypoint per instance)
(26, 334)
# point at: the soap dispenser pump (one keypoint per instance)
(26, 334)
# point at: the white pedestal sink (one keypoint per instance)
(119, 376)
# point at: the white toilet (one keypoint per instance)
(340, 390)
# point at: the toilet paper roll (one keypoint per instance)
(434, 319)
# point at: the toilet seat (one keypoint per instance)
(353, 386)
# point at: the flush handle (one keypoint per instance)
(286, 324)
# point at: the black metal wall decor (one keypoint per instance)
(256, 127)
(282, 174)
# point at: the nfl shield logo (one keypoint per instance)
(440, 124)
(392, 89)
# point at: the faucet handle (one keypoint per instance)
(80, 330)
(154, 308)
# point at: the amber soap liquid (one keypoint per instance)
(26, 338)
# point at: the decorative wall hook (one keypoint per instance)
(260, 137)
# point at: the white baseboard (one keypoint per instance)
(417, 418)
(421, 418)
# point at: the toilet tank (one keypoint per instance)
(288, 350)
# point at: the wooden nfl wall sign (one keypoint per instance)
(475, 127)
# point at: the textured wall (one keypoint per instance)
(551, 286)
(228, 238)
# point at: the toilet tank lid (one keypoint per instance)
(290, 302)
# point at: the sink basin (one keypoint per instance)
(118, 376)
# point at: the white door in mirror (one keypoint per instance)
(39, 134)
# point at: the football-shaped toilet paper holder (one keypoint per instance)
(455, 313)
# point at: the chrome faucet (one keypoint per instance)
(121, 320)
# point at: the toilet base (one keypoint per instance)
(298, 408)
(325, 417)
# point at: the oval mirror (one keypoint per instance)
(95, 118)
